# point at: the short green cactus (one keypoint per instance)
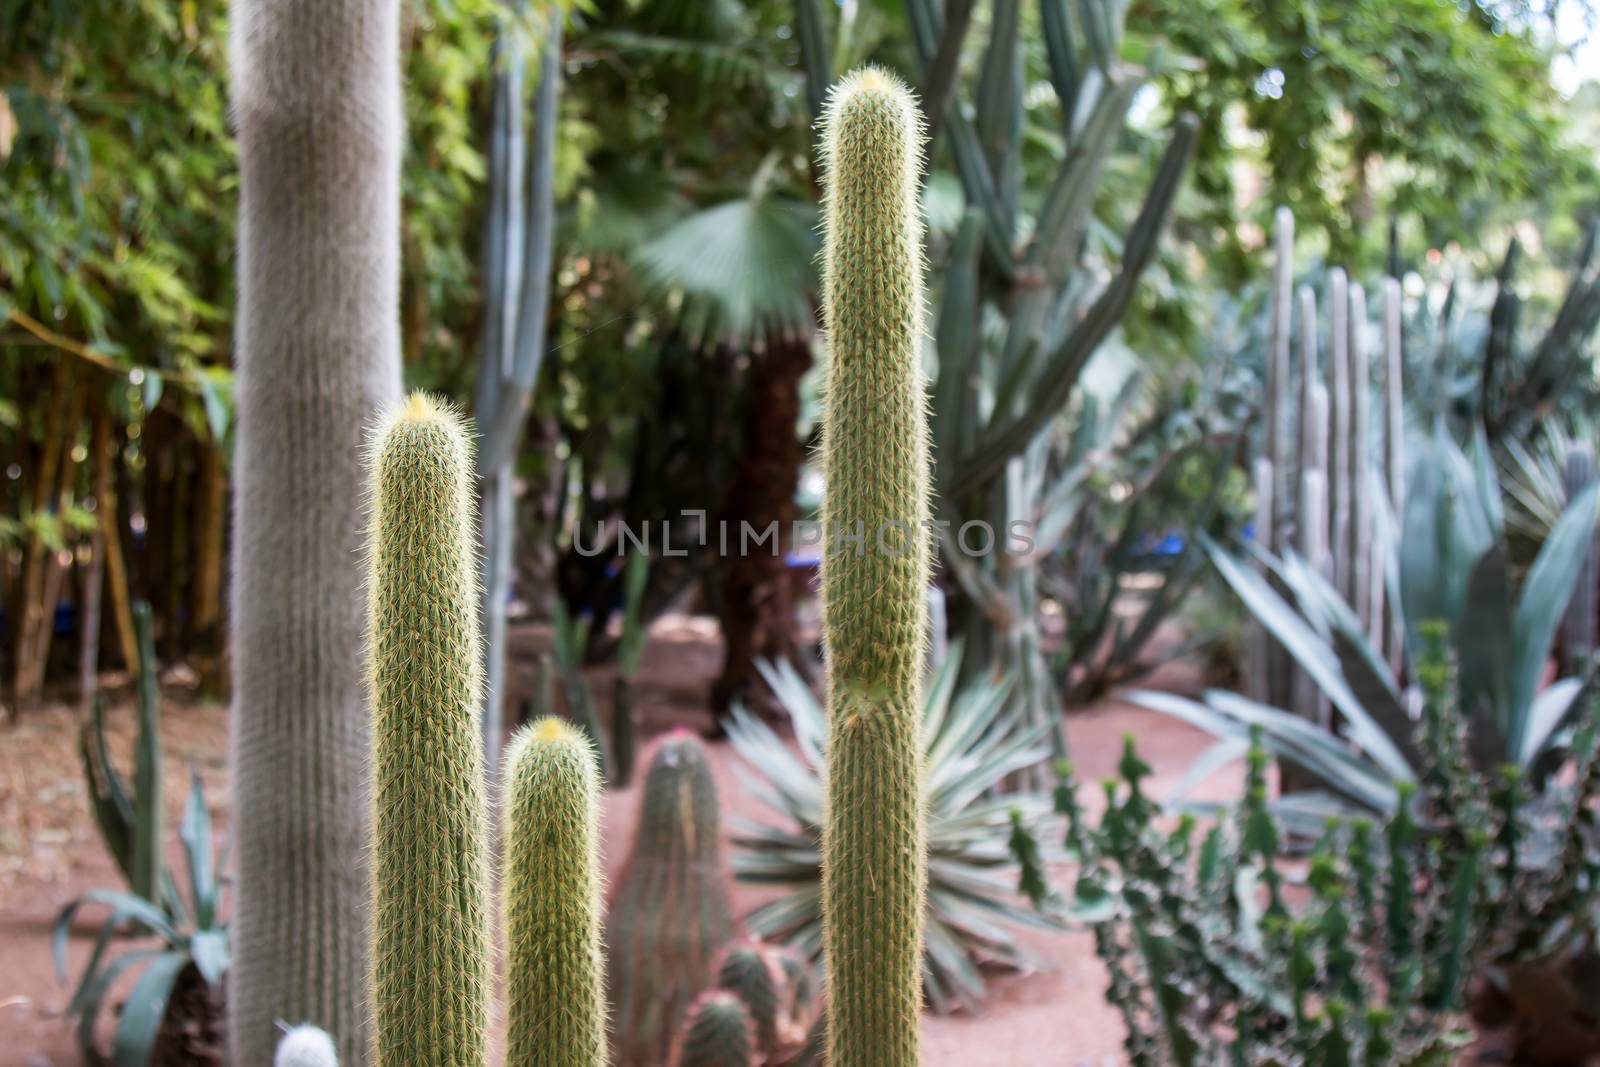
(874, 571)
(717, 1034)
(430, 919)
(670, 912)
(747, 971)
(557, 1007)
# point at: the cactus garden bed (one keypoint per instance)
(1055, 1016)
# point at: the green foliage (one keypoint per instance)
(429, 831)
(875, 447)
(189, 926)
(121, 187)
(972, 742)
(1451, 566)
(1441, 112)
(1211, 964)
(1152, 467)
(669, 912)
(556, 1000)
(718, 1033)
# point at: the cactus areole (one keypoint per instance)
(875, 571)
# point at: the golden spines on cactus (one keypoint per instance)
(876, 460)
(556, 1011)
(430, 919)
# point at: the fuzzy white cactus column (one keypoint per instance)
(317, 106)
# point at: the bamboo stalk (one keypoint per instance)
(205, 591)
(105, 495)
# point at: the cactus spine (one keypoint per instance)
(670, 913)
(875, 454)
(718, 1033)
(305, 1046)
(556, 1007)
(430, 922)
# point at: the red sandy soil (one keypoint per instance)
(50, 853)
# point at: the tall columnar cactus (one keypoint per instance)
(430, 919)
(718, 1033)
(669, 913)
(556, 1008)
(317, 348)
(875, 455)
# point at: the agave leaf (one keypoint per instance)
(195, 832)
(972, 742)
(1288, 736)
(94, 994)
(1549, 713)
(1444, 531)
(126, 907)
(211, 954)
(1483, 655)
(108, 794)
(145, 1008)
(1544, 598)
(1213, 759)
(1313, 654)
(147, 836)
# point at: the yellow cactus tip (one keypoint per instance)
(551, 729)
(420, 407)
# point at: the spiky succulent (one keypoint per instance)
(972, 741)
(430, 884)
(556, 998)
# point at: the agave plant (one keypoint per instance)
(177, 997)
(972, 745)
(1449, 565)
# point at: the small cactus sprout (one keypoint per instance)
(305, 1046)
(874, 571)
(556, 992)
(430, 920)
(747, 971)
(670, 912)
(718, 1033)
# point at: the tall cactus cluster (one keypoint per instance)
(1333, 453)
(431, 968)
(670, 914)
(876, 462)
